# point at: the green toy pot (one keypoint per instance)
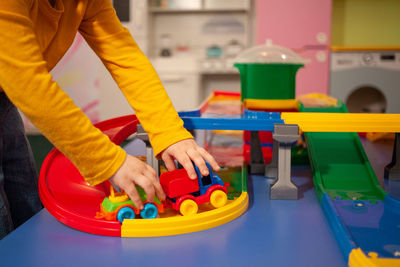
(268, 72)
(268, 80)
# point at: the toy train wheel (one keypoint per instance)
(125, 213)
(218, 198)
(188, 207)
(149, 211)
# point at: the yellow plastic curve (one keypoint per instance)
(343, 122)
(357, 258)
(271, 103)
(185, 224)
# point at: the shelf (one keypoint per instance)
(200, 10)
(219, 73)
(363, 48)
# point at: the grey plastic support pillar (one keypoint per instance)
(150, 158)
(256, 162)
(392, 170)
(271, 169)
(283, 187)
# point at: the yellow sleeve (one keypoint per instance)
(133, 73)
(26, 81)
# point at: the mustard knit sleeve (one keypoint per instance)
(133, 73)
(26, 81)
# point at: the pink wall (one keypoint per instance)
(314, 77)
(303, 26)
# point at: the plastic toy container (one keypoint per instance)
(268, 72)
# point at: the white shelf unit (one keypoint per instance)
(199, 26)
(201, 10)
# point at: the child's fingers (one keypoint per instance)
(133, 194)
(210, 159)
(150, 172)
(156, 184)
(169, 161)
(147, 185)
(197, 158)
(185, 161)
(159, 191)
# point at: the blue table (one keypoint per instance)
(271, 232)
(279, 232)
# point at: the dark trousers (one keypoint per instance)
(19, 196)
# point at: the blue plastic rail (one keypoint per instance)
(249, 120)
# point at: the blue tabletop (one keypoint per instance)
(271, 232)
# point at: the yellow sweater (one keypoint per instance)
(33, 38)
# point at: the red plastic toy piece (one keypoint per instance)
(176, 183)
(185, 194)
(67, 196)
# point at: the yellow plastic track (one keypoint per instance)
(271, 103)
(357, 258)
(343, 122)
(185, 224)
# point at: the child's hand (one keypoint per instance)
(135, 172)
(185, 152)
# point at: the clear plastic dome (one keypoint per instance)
(269, 53)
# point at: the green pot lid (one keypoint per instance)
(269, 53)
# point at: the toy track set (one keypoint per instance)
(363, 216)
(63, 190)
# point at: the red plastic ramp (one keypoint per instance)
(67, 196)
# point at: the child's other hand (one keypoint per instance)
(185, 152)
(135, 172)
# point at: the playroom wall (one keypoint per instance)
(365, 23)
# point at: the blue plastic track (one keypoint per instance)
(373, 227)
(250, 121)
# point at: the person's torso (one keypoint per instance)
(56, 27)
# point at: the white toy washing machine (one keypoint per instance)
(366, 81)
